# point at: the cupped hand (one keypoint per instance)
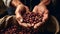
(19, 18)
(42, 10)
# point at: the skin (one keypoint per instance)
(41, 7)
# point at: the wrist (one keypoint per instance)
(45, 2)
(19, 8)
(15, 3)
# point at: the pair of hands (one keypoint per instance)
(41, 9)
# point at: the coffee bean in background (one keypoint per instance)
(18, 30)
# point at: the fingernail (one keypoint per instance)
(34, 27)
(32, 24)
(21, 20)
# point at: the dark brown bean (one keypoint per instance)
(31, 18)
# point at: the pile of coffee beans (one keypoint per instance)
(29, 17)
(18, 30)
(32, 17)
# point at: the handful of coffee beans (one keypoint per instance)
(32, 17)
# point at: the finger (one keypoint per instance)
(37, 25)
(19, 18)
(23, 24)
(27, 9)
(35, 9)
(41, 9)
(45, 15)
(45, 18)
(32, 25)
(19, 8)
(29, 25)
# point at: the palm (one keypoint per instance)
(42, 10)
(18, 13)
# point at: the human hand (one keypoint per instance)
(19, 10)
(42, 10)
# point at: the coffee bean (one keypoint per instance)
(31, 18)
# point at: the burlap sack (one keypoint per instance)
(52, 26)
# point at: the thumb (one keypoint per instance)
(27, 9)
(37, 25)
(35, 9)
(19, 18)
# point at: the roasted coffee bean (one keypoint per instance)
(32, 17)
(15, 30)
